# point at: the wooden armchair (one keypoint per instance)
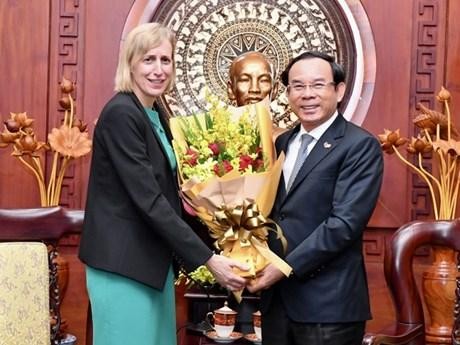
(24, 293)
(48, 225)
(410, 326)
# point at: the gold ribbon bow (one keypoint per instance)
(241, 233)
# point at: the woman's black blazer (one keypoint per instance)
(133, 221)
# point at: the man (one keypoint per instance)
(251, 79)
(323, 210)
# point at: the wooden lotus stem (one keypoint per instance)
(436, 207)
(453, 187)
(420, 162)
(445, 191)
(71, 111)
(446, 105)
(442, 190)
(52, 181)
(455, 196)
(428, 136)
(424, 176)
(38, 166)
(62, 170)
(451, 174)
(41, 184)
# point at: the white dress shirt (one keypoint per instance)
(294, 145)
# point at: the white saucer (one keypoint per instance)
(233, 336)
(69, 339)
(253, 338)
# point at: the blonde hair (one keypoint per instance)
(138, 42)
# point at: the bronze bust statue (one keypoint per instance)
(252, 78)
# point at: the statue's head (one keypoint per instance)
(251, 79)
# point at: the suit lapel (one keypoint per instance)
(282, 146)
(325, 145)
(146, 118)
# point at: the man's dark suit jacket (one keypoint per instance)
(323, 217)
(132, 220)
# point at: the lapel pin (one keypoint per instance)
(327, 145)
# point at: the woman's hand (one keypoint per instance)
(222, 269)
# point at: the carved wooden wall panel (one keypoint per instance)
(428, 50)
(67, 40)
(452, 61)
(24, 60)
(389, 107)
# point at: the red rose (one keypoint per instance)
(216, 169)
(258, 165)
(227, 166)
(214, 147)
(245, 162)
(191, 157)
(222, 168)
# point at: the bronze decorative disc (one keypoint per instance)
(211, 33)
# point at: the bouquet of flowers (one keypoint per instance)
(229, 175)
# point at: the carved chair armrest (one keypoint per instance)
(44, 223)
(396, 334)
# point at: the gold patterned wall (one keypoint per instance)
(211, 33)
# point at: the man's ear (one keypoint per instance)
(274, 91)
(230, 94)
(341, 87)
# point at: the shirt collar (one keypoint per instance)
(317, 132)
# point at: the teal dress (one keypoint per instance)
(126, 312)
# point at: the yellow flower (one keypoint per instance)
(69, 142)
(221, 142)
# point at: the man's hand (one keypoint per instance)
(221, 268)
(266, 278)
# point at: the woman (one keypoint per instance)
(132, 225)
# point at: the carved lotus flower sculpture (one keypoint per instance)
(69, 141)
(437, 136)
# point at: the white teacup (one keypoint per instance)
(257, 324)
(222, 321)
